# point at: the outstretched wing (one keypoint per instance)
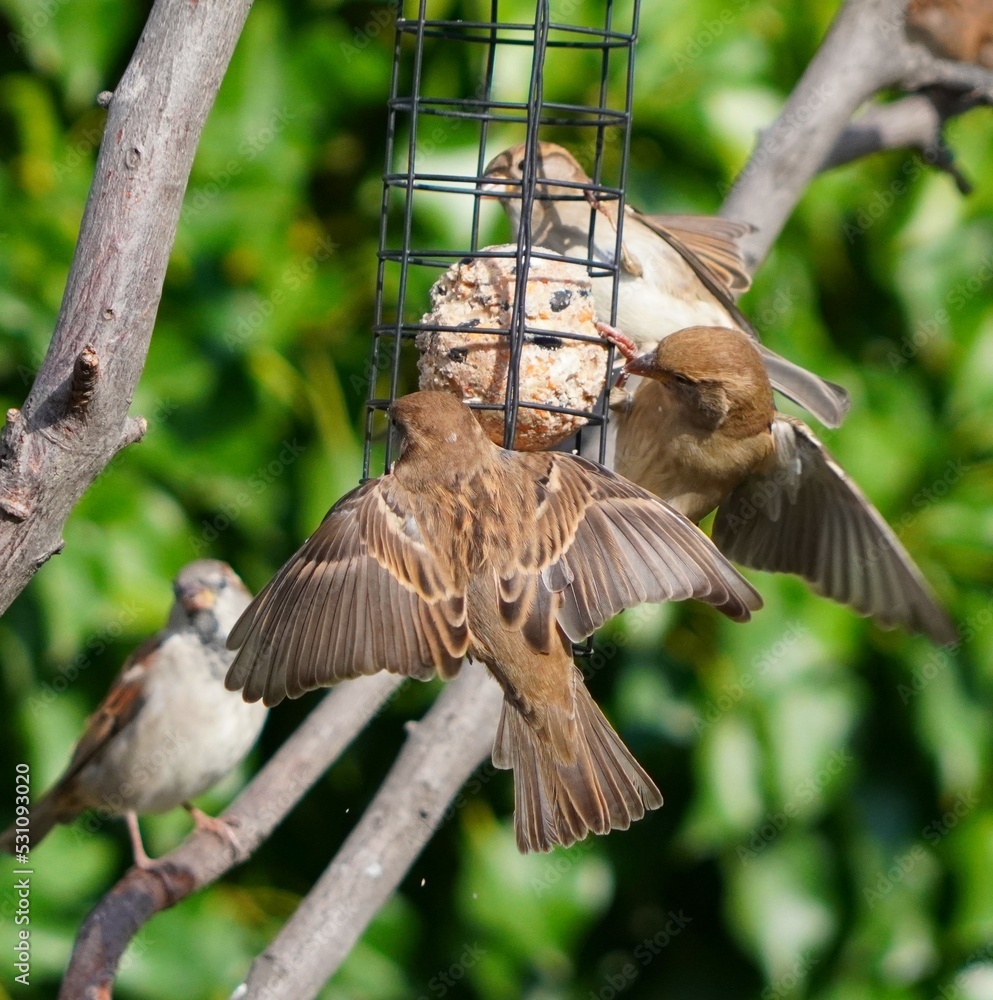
(808, 517)
(599, 544)
(362, 594)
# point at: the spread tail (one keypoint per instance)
(571, 782)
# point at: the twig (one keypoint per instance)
(443, 750)
(202, 858)
(914, 122)
(866, 51)
(75, 418)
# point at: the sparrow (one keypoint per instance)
(701, 432)
(466, 549)
(954, 29)
(676, 271)
(167, 729)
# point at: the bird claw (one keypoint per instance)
(626, 347)
(222, 828)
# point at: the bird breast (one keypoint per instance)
(691, 469)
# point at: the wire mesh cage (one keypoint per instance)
(463, 90)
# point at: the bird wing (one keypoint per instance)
(808, 517)
(712, 240)
(362, 594)
(119, 708)
(601, 544)
(827, 401)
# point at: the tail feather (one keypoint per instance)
(827, 401)
(600, 787)
(47, 812)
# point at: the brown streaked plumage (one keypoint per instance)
(701, 432)
(167, 729)
(677, 270)
(467, 549)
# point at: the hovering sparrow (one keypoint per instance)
(701, 432)
(467, 549)
(676, 270)
(167, 729)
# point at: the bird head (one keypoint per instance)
(560, 180)
(438, 434)
(210, 597)
(715, 375)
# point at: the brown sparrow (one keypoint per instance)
(676, 270)
(464, 548)
(168, 729)
(701, 432)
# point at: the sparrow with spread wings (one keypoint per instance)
(467, 549)
(701, 432)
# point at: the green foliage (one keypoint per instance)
(828, 826)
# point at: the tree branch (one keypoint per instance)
(76, 418)
(203, 857)
(865, 51)
(914, 122)
(443, 750)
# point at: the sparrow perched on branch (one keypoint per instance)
(701, 432)
(167, 729)
(676, 270)
(466, 549)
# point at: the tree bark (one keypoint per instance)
(76, 418)
(865, 51)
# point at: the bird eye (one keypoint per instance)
(682, 379)
(520, 166)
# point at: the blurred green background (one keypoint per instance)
(828, 826)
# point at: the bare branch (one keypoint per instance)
(202, 858)
(915, 122)
(443, 750)
(76, 417)
(866, 51)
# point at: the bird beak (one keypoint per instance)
(643, 365)
(201, 599)
(495, 178)
(494, 185)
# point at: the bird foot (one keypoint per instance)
(626, 347)
(223, 828)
